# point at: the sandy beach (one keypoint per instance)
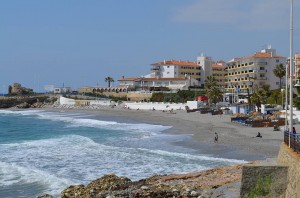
(235, 141)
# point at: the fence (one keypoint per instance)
(293, 140)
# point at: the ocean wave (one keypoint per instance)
(13, 174)
(80, 120)
(75, 156)
(20, 112)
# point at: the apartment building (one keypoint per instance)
(219, 72)
(244, 74)
(176, 69)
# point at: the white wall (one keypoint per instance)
(156, 105)
(168, 71)
(66, 101)
(101, 102)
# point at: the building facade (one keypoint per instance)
(246, 74)
(205, 64)
(176, 69)
(158, 83)
(219, 72)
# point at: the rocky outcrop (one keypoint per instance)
(210, 183)
(17, 89)
(37, 101)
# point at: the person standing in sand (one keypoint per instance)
(216, 137)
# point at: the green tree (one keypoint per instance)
(276, 95)
(259, 97)
(109, 79)
(279, 72)
(212, 90)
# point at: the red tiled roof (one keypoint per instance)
(261, 55)
(129, 79)
(218, 66)
(174, 62)
(151, 79)
(164, 79)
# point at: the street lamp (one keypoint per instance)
(248, 92)
(291, 72)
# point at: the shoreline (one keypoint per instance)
(235, 141)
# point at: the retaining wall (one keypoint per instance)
(290, 158)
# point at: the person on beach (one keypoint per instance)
(216, 137)
(259, 135)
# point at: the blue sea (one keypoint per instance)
(45, 152)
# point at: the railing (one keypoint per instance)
(293, 140)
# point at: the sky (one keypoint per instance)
(80, 42)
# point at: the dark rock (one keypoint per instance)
(45, 196)
(34, 101)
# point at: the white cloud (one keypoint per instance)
(250, 15)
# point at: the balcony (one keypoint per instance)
(155, 69)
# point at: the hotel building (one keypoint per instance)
(244, 74)
(176, 69)
(219, 72)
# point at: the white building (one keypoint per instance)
(205, 64)
(57, 90)
(176, 69)
(158, 84)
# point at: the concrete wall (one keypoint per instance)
(156, 105)
(271, 178)
(290, 158)
(68, 101)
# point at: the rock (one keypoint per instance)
(144, 188)
(23, 105)
(194, 193)
(175, 185)
(45, 196)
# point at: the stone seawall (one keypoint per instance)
(290, 158)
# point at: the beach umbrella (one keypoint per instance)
(236, 114)
(276, 113)
(272, 117)
(257, 113)
(257, 118)
(251, 112)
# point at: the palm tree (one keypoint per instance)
(212, 90)
(259, 97)
(279, 72)
(109, 79)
